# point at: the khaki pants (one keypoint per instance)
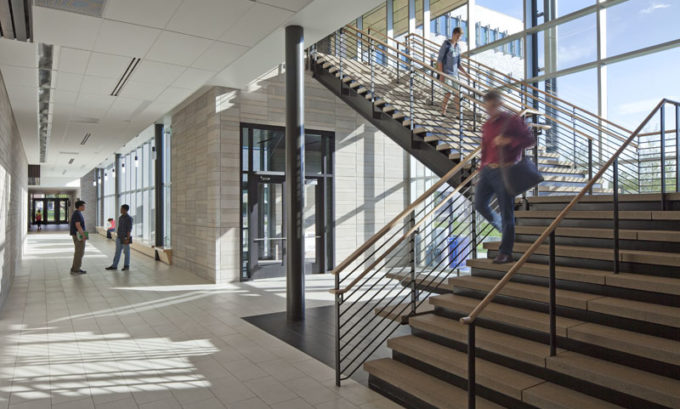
(78, 254)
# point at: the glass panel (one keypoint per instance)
(269, 150)
(566, 7)
(50, 211)
(270, 239)
(310, 221)
(636, 24)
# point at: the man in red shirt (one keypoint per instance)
(504, 137)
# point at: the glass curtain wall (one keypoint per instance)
(109, 200)
(137, 190)
(167, 184)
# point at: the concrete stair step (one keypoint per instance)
(402, 311)
(619, 307)
(597, 253)
(427, 388)
(643, 345)
(506, 381)
(640, 384)
(601, 214)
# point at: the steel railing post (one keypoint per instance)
(662, 140)
(432, 74)
(341, 52)
(411, 74)
(474, 230)
(535, 154)
(573, 126)
(471, 383)
(460, 125)
(474, 109)
(338, 301)
(553, 304)
(371, 63)
(617, 259)
(414, 287)
(677, 148)
(590, 163)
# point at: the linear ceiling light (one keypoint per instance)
(125, 77)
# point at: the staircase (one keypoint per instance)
(588, 317)
(618, 335)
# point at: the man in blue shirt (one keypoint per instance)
(79, 235)
(123, 240)
(448, 62)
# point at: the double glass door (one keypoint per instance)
(51, 211)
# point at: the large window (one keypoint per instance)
(636, 24)
(109, 201)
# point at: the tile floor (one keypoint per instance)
(157, 337)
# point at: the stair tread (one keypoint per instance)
(602, 214)
(635, 382)
(423, 386)
(522, 317)
(567, 298)
(656, 313)
(645, 197)
(525, 350)
(401, 311)
(489, 374)
(599, 253)
(550, 395)
(561, 272)
(648, 346)
(646, 385)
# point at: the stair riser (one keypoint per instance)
(606, 243)
(643, 327)
(397, 395)
(626, 267)
(482, 391)
(603, 223)
(588, 388)
(607, 206)
(599, 352)
(604, 290)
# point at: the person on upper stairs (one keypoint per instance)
(504, 135)
(448, 62)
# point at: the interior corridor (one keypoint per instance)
(156, 337)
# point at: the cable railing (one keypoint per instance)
(549, 234)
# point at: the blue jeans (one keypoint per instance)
(120, 247)
(491, 184)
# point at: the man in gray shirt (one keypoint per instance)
(123, 240)
(448, 62)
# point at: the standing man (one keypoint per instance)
(79, 235)
(504, 137)
(448, 62)
(123, 240)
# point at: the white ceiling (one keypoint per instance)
(183, 45)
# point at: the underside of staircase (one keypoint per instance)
(618, 335)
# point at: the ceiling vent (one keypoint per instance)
(70, 161)
(125, 77)
(15, 19)
(85, 138)
(93, 8)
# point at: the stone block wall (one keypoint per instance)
(371, 172)
(88, 193)
(13, 194)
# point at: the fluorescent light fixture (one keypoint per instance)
(85, 138)
(122, 167)
(136, 161)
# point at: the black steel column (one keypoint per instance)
(295, 174)
(158, 186)
(116, 182)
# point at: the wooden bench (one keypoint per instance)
(143, 248)
(164, 255)
(102, 231)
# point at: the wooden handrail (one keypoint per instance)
(405, 236)
(402, 215)
(529, 86)
(536, 244)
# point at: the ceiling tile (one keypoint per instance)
(292, 5)
(18, 53)
(107, 65)
(219, 55)
(180, 49)
(193, 78)
(64, 97)
(20, 76)
(260, 21)
(142, 90)
(157, 72)
(63, 28)
(97, 85)
(152, 13)
(93, 105)
(73, 60)
(125, 39)
(208, 18)
(123, 108)
(174, 95)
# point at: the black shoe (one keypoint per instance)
(503, 258)
(111, 268)
(126, 268)
(83, 272)
(74, 272)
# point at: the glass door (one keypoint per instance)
(267, 228)
(62, 211)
